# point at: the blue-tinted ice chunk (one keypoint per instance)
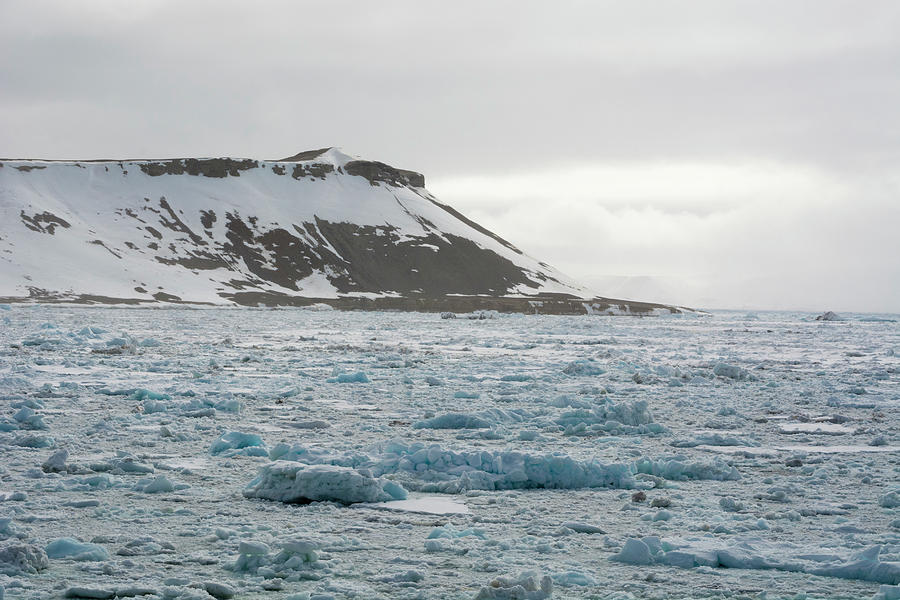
(453, 421)
(235, 442)
(73, 549)
(358, 377)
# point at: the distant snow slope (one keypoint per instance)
(321, 224)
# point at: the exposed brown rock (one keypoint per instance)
(376, 172)
(208, 167)
(44, 222)
(305, 155)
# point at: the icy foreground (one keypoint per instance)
(293, 454)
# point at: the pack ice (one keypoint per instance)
(211, 453)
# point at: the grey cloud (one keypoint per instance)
(468, 88)
(470, 81)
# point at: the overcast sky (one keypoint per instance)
(716, 154)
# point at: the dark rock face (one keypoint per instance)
(174, 223)
(207, 218)
(208, 167)
(164, 297)
(315, 170)
(376, 172)
(474, 225)
(305, 155)
(44, 222)
(357, 258)
(275, 256)
(377, 260)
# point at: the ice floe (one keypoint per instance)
(74, 550)
(757, 553)
(527, 586)
(295, 482)
(510, 463)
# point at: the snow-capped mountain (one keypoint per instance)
(317, 226)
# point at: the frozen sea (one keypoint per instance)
(193, 454)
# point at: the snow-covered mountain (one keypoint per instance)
(318, 226)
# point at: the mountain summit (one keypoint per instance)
(319, 226)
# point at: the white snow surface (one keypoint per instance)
(218, 452)
(108, 202)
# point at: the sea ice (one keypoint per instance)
(56, 463)
(890, 500)
(582, 527)
(358, 377)
(451, 472)
(235, 442)
(295, 482)
(539, 484)
(155, 485)
(887, 592)
(829, 316)
(610, 418)
(815, 428)
(18, 559)
(713, 439)
(679, 468)
(573, 578)
(583, 367)
(29, 419)
(527, 586)
(635, 552)
(75, 550)
(453, 421)
(432, 504)
(145, 546)
(450, 532)
(756, 553)
(731, 372)
(34, 441)
(296, 555)
(434, 469)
